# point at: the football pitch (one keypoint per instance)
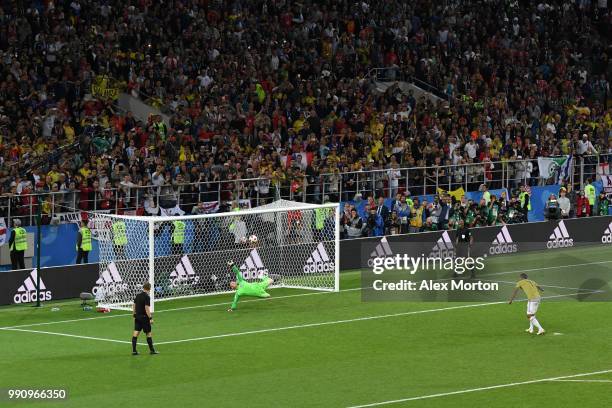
(318, 349)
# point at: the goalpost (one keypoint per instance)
(296, 244)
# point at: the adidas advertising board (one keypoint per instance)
(109, 283)
(606, 238)
(560, 238)
(183, 274)
(382, 250)
(503, 244)
(319, 261)
(443, 248)
(253, 268)
(27, 291)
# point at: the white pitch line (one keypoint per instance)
(328, 323)
(585, 381)
(492, 387)
(357, 319)
(277, 297)
(175, 309)
(546, 267)
(68, 335)
(275, 329)
(590, 291)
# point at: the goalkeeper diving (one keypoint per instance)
(244, 288)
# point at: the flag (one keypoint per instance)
(606, 181)
(176, 210)
(457, 193)
(565, 170)
(2, 231)
(558, 167)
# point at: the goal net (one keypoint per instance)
(296, 244)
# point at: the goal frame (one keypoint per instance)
(152, 220)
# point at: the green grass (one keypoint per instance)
(336, 364)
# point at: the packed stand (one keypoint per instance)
(279, 93)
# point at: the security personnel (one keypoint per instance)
(83, 245)
(178, 236)
(525, 200)
(120, 238)
(589, 192)
(18, 244)
(320, 216)
(235, 207)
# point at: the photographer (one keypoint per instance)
(513, 215)
(394, 224)
(375, 226)
(354, 225)
(552, 211)
(603, 204)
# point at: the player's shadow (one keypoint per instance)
(592, 290)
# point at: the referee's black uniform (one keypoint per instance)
(142, 322)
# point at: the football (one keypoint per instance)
(253, 239)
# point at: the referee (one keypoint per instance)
(142, 318)
(463, 242)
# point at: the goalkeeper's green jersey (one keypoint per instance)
(257, 289)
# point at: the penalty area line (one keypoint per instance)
(281, 297)
(470, 390)
(357, 319)
(276, 329)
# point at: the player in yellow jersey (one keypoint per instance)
(533, 293)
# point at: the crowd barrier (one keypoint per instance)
(66, 282)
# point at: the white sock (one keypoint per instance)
(530, 325)
(535, 322)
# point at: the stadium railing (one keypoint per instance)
(58, 205)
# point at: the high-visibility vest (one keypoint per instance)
(21, 240)
(487, 196)
(232, 226)
(522, 198)
(85, 239)
(589, 191)
(320, 215)
(410, 202)
(178, 235)
(119, 233)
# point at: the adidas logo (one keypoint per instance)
(503, 243)
(319, 261)
(606, 238)
(560, 238)
(382, 250)
(27, 292)
(183, 274)
(253, 268)
(443, 247)
(109, 283)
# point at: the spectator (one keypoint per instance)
(583, 209)
(564, 203)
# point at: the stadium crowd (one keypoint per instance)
(281, 91)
